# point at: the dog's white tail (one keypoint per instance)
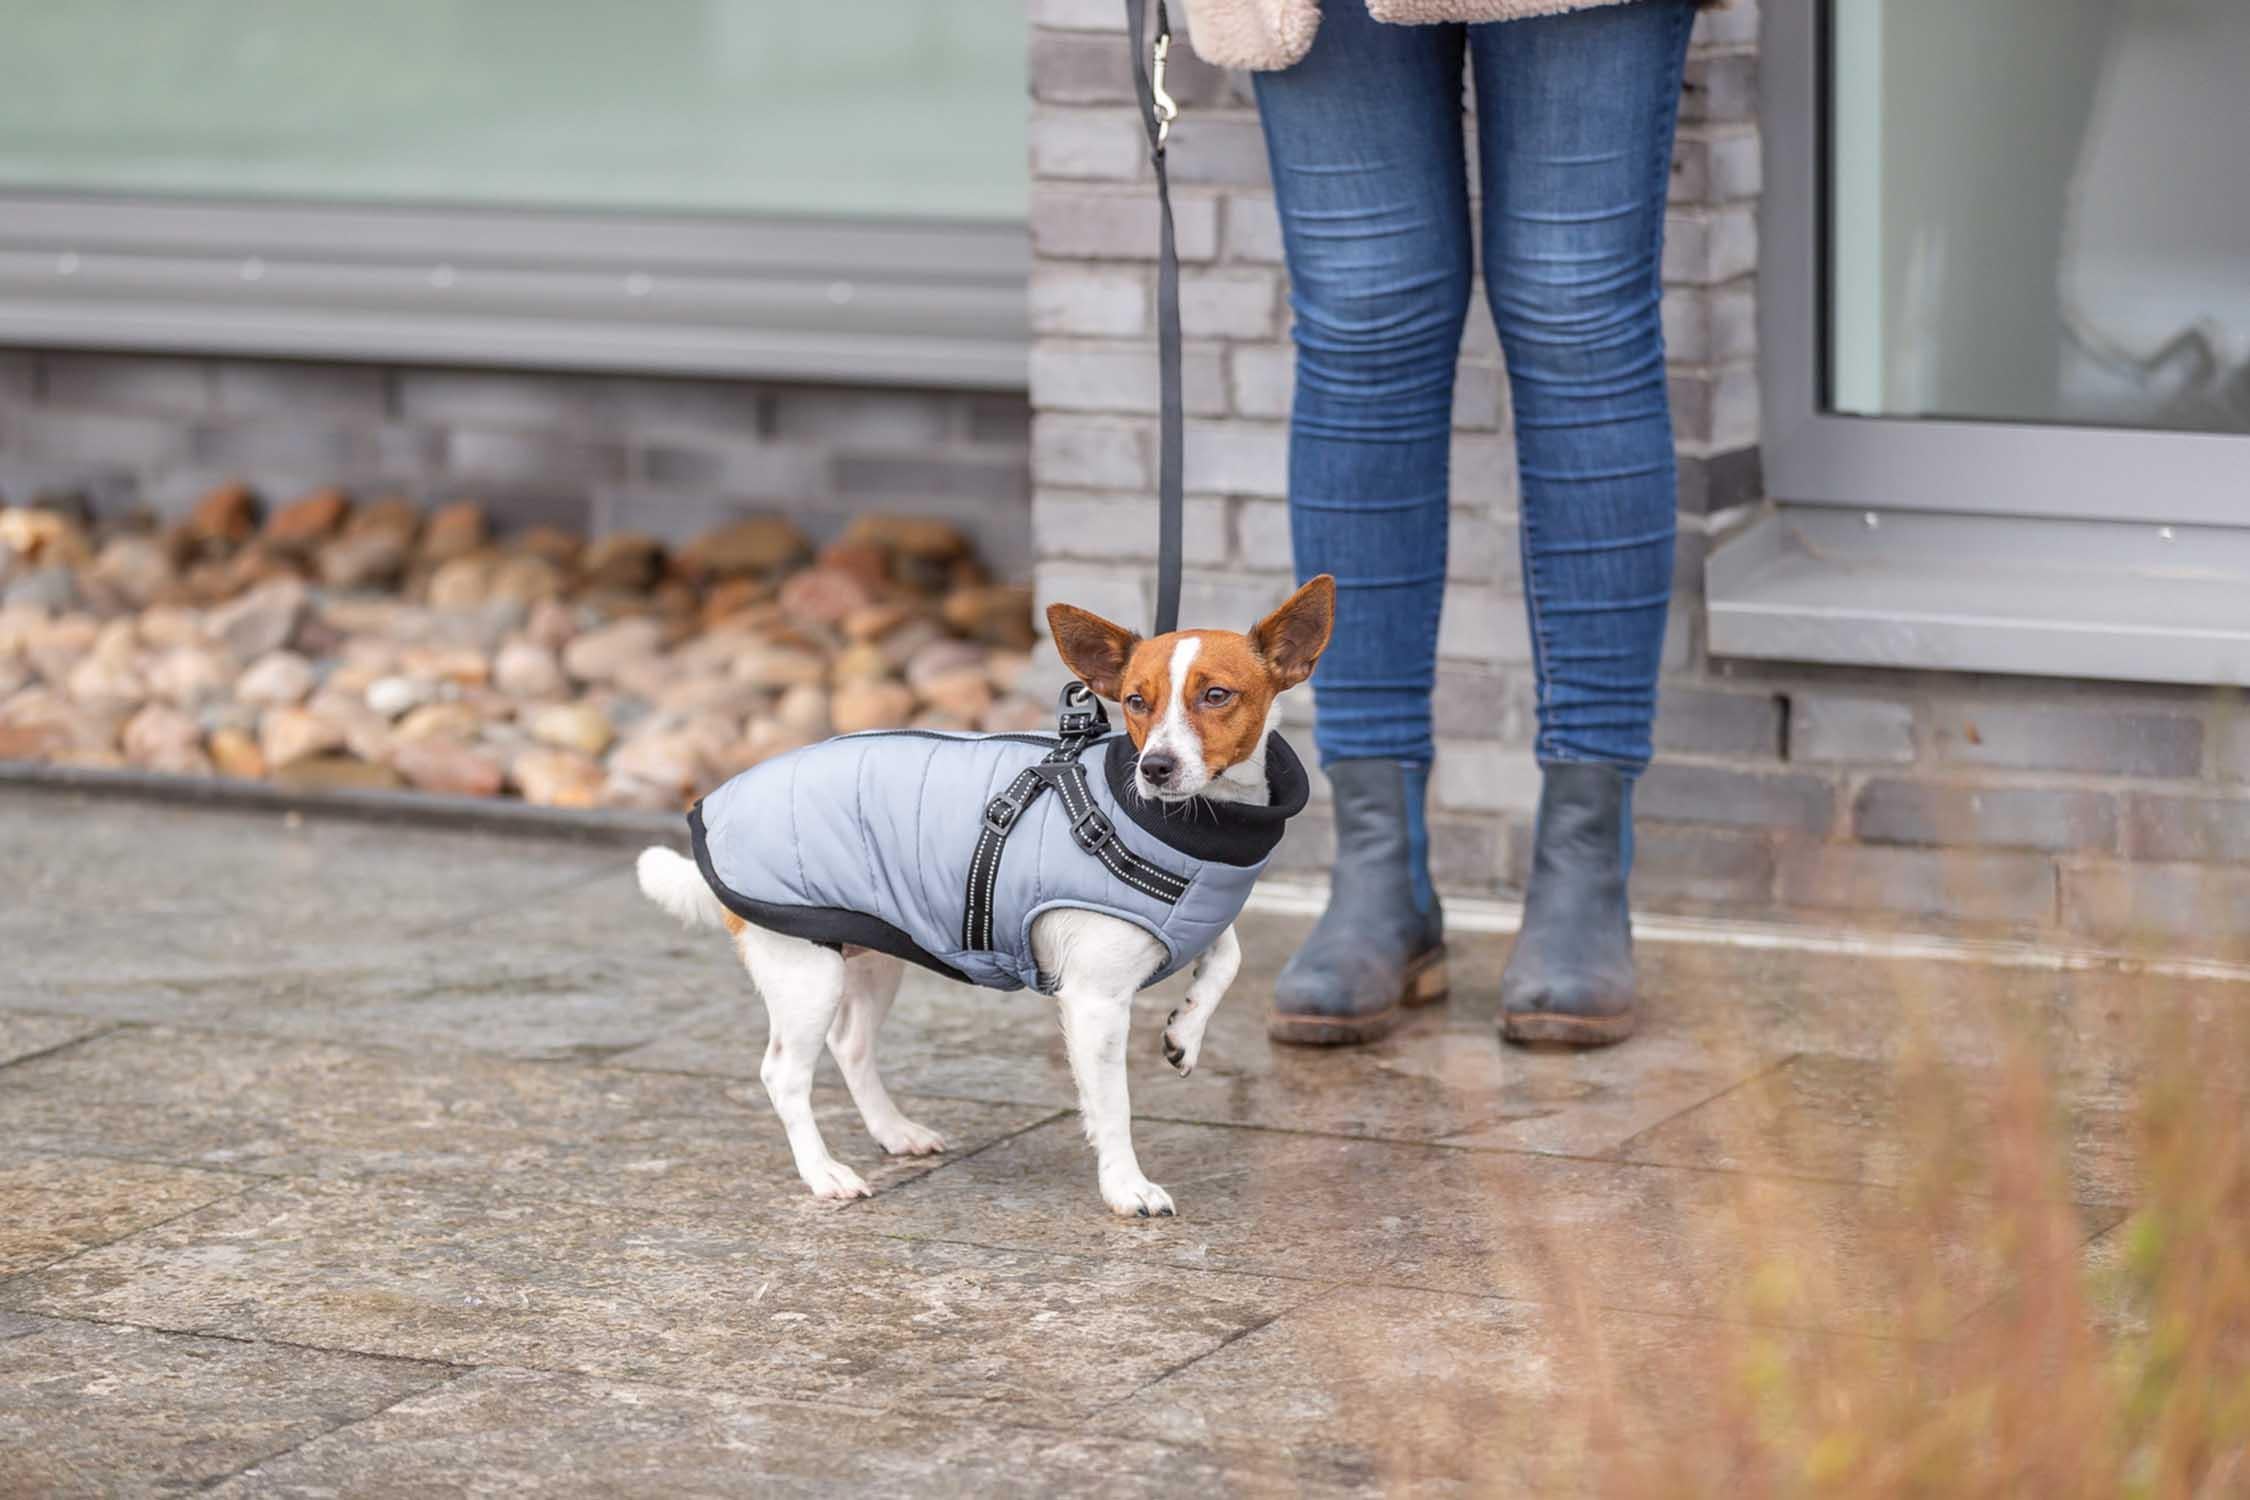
(674, 883)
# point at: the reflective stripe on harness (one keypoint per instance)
(1082, 723)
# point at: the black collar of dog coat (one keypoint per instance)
(1227, 833)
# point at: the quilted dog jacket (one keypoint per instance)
(872, 840)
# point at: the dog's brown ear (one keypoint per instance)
(1095, 650)
(1291, 639)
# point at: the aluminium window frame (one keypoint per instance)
(863, 301)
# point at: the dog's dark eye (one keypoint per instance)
(1135, 703)
(1218, 696)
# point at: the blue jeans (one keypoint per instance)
(1574, 115)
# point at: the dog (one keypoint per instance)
(1198, 758)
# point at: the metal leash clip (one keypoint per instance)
(1167, 110)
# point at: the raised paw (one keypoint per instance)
(1181, 1054)
(909, 1139)
(837, 1181)
(1138, 1199)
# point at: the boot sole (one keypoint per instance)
(1536, 1028)
(1426, 984)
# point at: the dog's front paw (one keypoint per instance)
(837, 1181)
(909, 1139)
(1138, 1198)
(1181, 1044)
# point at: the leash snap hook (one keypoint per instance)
(1167, 109)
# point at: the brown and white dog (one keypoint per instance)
(1200, 706)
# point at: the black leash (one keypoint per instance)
(1157, 114)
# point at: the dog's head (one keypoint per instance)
(1197, 702)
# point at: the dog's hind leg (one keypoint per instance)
(803, 986)
(870, 985)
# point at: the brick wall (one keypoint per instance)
(2102, 812)
(592, 452)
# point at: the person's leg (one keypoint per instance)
(1575, 116)
(1369, 175)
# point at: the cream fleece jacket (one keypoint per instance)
(1263, 35)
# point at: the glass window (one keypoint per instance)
(2038, 211)
(890, 108)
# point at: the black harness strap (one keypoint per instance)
(1157, 113)
(1081, 723)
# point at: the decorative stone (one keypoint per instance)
(864, 662)
(526, 580)
(940, 720)
(1008, 669)
(767, 738)
(822, 596)
(226, 514)
(708, 693)
(778, 667)
(262, 620)
(44, 538)
(627, 560)
(138, 567)
(188, 677)
(367, 560)
(732, 599)
(914, 536)
(965, 694)
(560, 547)
(450, 720)
(557, 778)
(803, 710)
(42, 588)
(367, 734)
(338, 773)
(160, 736)
(464, 583)
(105, 684)
(526, 669)
(235, 753)
(867, 563)
(453, 531)
(280, 677)
(670, 761)
(598, 655)
(571, 726)
(161, 626)
(873, 621)
(393, 516)
(442, 764)
(393, 696)
(311, 519)
(870, 705)
(465, 666)
(1014, 715)
(287, 735)
(757, 545)
(999, 613)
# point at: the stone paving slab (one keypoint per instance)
(89, 1409)
(515, 1432)
(805, 1308)
(53, 1207)
(278, 1106)
(1488, 1223)
(26, 1034)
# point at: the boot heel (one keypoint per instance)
(1426, 982)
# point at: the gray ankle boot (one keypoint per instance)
(1381, 943)
(1570, 976)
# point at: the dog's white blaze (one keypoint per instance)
(1173, 735)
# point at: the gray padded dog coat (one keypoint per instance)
(872, 840)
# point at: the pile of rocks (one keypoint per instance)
(330, 643)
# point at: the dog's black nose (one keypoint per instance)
(1157, 767)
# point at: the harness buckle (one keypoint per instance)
(1090, 830)
(1082, 715)
(1001, 812)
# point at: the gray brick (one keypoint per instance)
(1115, 591)
(1118, 377)
(1473, 703)
(684, 459)
(1676, 868)
(1111, 525)
(1091, 302)
(2234, 744)
(1737, 165)
(1714, 409)
(499, 399)
(326, 450)
(1720, 86)
(1228, 150)
(508, 457)
(1262, 379)
(1687, 324)
(990, 474)
(1697, 720)
(1691, 168)
(1077, 68)
(1484, 470)
(1096, 452)
(2162, 911)
(2015, 889)
(998, 417)
(1710, 325)
(1087, 144)
(1484, 776)
(888, 419)
(2203, 829)
(1229, 601)
(1707, 246)
(1237, 458)
(1733, 25)
(1230, 304)
(737, 408)
(1466, 854)
(1482, 624)
(1711, 482)
(1483, 547)
(1253, 230)
(1262, 530)
(149, 383)
(1842, 729)
(1677, 792)
(1480, 397)
(19, 375)
(2051, 818)
(244, 387)
(95, 439)
(2039, 738)
(1082, 225)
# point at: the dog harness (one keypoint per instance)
(944, 848)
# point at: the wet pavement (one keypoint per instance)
(337, 1158)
